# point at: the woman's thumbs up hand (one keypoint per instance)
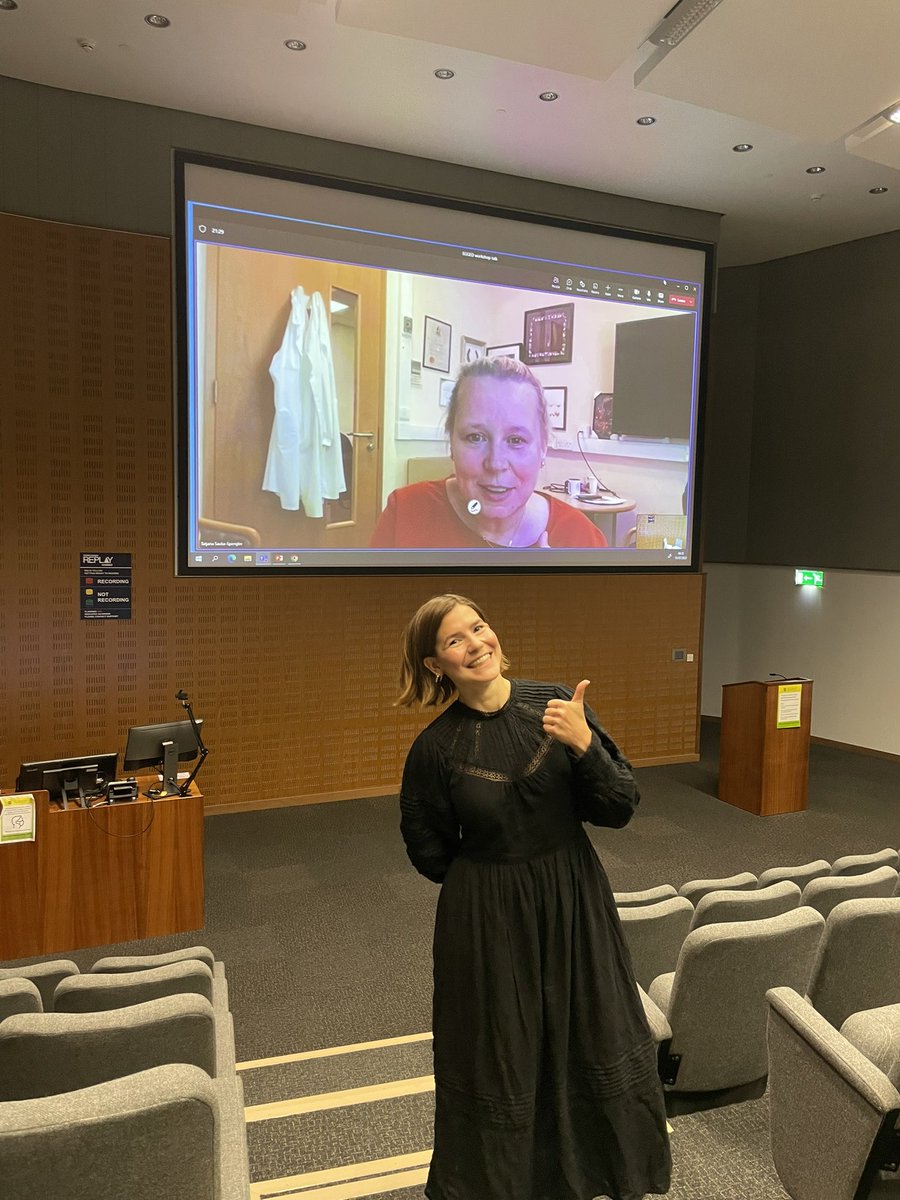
(565, 721)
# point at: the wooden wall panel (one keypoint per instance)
(294, 677)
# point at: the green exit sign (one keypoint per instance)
(804, 577)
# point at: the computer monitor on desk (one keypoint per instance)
(162, 746)
(79, 778)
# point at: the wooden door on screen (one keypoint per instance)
(243, 310)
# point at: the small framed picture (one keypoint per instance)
(470, 350)
(510, 350)
(603, 414)
(556, 398)
(446, 386)
(436, 345)
(548, 334)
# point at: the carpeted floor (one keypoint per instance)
(325, 931)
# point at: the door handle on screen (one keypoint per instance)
(371, 436)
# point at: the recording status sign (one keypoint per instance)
(106, 587)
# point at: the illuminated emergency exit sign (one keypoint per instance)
(805, 577)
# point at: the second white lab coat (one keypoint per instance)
(304, 463)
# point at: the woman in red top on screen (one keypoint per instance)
(497, 427)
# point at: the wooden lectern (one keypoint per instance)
(111, 873)
(764, 769)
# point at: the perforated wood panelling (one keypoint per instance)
(294, 678)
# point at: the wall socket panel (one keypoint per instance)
(679, 655)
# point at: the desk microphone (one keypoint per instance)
(775, 675)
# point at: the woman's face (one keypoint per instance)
(497, 444)
(466, 649)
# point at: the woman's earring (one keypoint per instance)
(438, 676)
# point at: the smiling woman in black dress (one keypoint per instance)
(545, 1070)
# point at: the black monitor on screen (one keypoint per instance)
(162, 746)
(77, 778)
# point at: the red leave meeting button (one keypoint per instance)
(683, 301)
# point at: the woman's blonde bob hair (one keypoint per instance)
(504, 370)
(418, 684)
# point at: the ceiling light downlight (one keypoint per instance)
(157, 21)
(295, 44)
(877, 191)
(444, 73)
(8, 5)
(645, 121)
(549, 97)
(742, 147)
(815, 170)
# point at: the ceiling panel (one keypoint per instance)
(881, 147)
(814, 70)
(579, 37)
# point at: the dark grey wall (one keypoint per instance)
(729, 415)
(813, 480)
(88, 160)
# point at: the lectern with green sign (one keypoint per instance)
(764, 750)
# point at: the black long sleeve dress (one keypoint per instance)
(545, 1070)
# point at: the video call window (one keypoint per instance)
(372, 384)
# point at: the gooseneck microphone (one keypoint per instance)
(182, 696)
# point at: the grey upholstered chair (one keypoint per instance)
(695, 889)
(832, 1111)
(861, 864)
(43, 1054)
(876, 1033)
(128, 963)
(800, 875)
(745, 906)
(95, 992)
(858, 961)
(44, 975)
(823, 894)
(171, 1131)
(653, 895)
(715, 1000)
(18, 996)
(654, 933)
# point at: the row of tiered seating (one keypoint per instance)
(120, 1081)
(657, 921)
(792, 978)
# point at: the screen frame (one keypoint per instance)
(183, 159)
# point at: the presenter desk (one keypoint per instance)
(107, 874)
(603, 515)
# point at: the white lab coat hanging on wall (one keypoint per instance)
(304, 462)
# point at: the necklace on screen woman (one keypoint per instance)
(502, 545)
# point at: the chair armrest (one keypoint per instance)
(656, 1018)
(18, 996)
